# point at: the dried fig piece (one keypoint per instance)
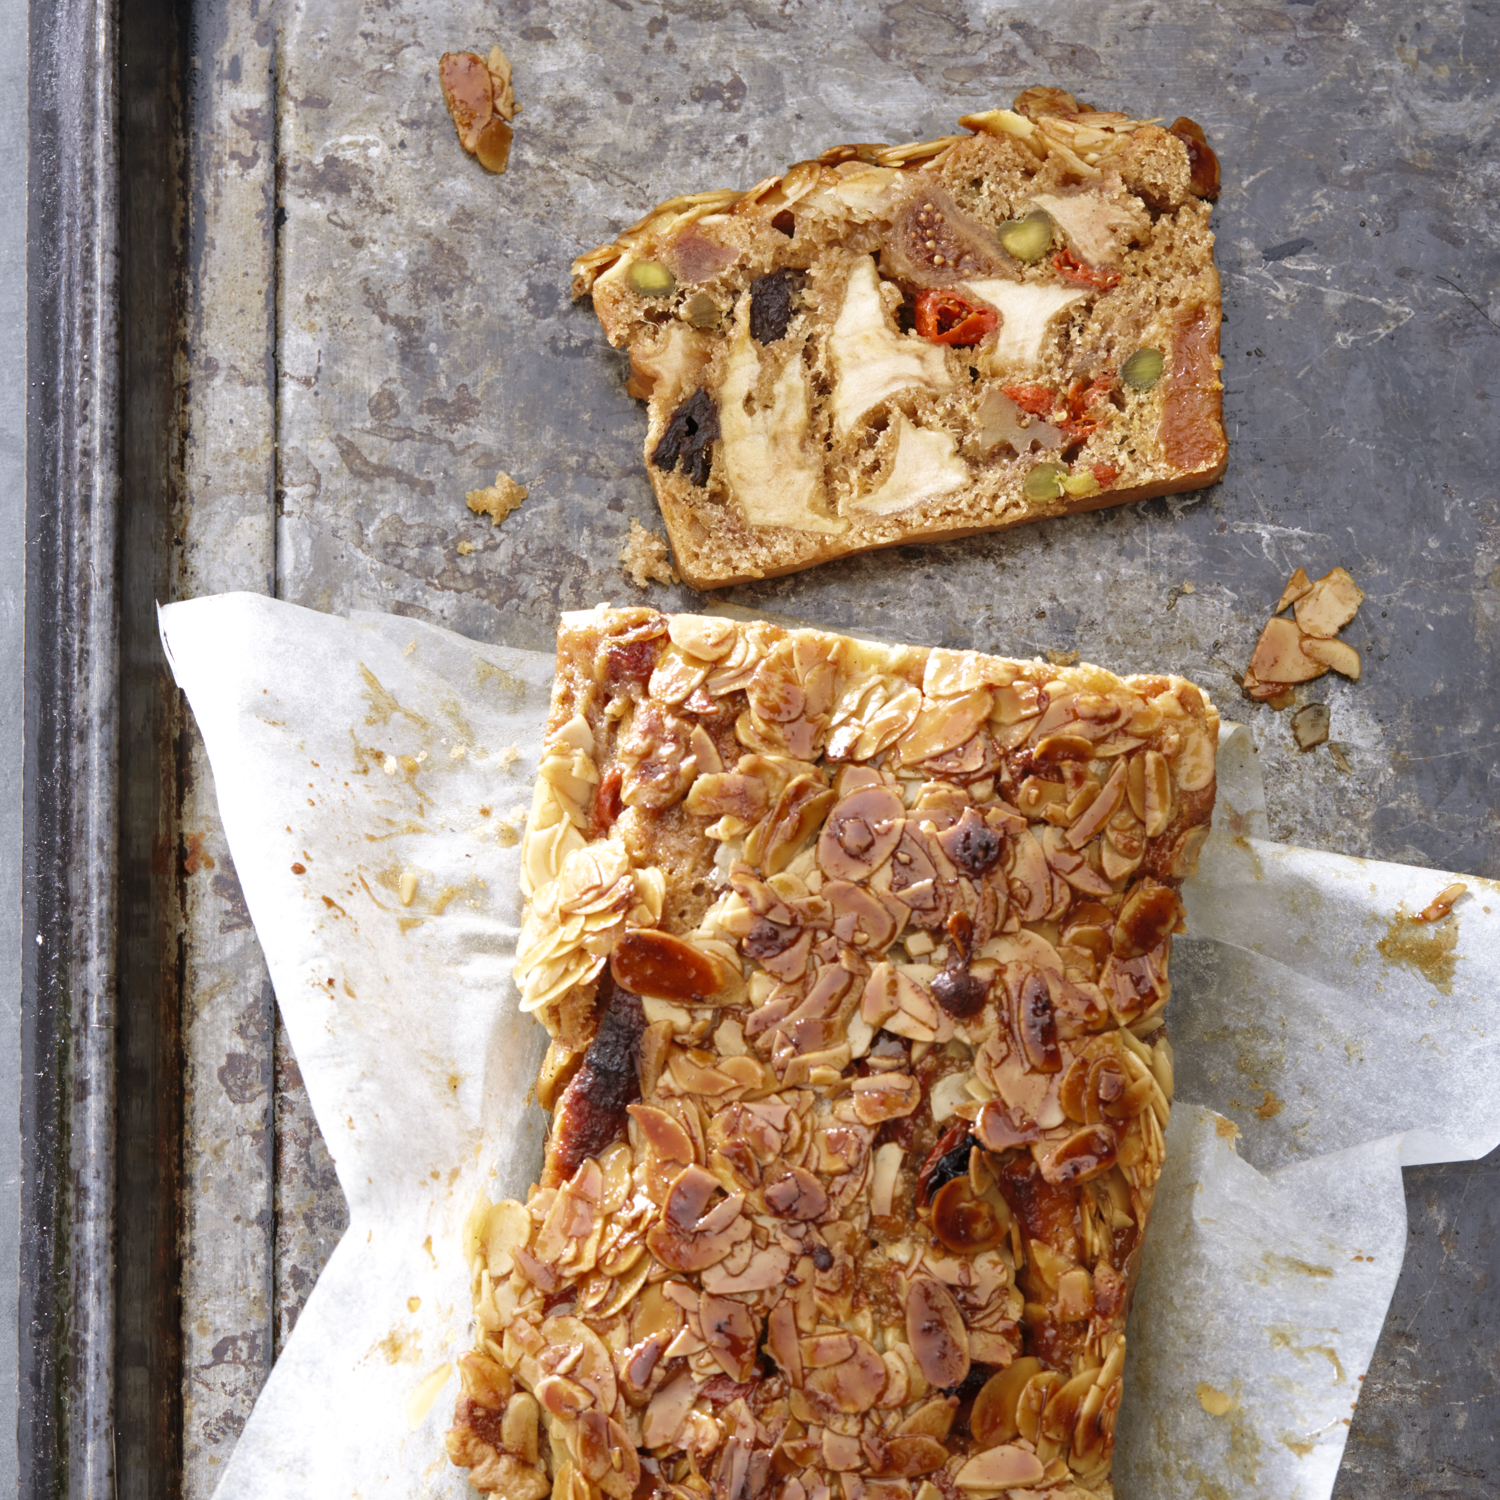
(933, 242)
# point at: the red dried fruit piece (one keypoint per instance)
(607, 804)
(946, 318)
(1081, 398)
(1038, 400)
(1202, 162)
(1070, 268)
(1106, 474)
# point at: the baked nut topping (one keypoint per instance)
(858, 1077)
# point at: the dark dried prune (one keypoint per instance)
(771, 301)
(959, 992)
(948, 1159)
(691, 432)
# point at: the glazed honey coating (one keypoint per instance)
(854, 959)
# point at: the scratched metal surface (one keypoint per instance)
(400, 320)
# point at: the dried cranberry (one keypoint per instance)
(771, 303)
(946, 318)
(692, 430)
(607, 803)
(822, 1257)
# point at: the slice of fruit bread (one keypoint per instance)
(894, 344)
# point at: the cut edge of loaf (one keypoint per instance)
(1156, 289)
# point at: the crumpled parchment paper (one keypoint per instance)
(360, 760)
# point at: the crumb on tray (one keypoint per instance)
(1306, 646)
(480, 98)
(497, 500)
(645, 558)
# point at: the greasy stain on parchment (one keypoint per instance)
(1282, 1337)
(382, 704)
(1427, 948)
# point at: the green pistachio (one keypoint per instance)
(1044, 482)
(1027, 239)
(1143, 369)
(650, 278)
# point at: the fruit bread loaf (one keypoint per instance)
(854, 960)
(909, 343)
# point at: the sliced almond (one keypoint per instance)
(1279, 657)
(1005, 1467)
(1329, 604)
(1297, 585)
(1339, 655)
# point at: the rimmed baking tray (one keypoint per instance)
(280, 325)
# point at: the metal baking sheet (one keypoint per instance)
(373, 326)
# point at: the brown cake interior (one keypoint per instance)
(892, 344)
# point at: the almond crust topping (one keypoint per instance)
(854, 960)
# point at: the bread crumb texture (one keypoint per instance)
(497, 500)
(908, 343)
(645, 558)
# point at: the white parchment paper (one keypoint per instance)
(1334, 1038)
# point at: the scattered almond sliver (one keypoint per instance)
(1306, 646)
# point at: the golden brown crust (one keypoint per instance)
(796, 414)
(854, 959)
